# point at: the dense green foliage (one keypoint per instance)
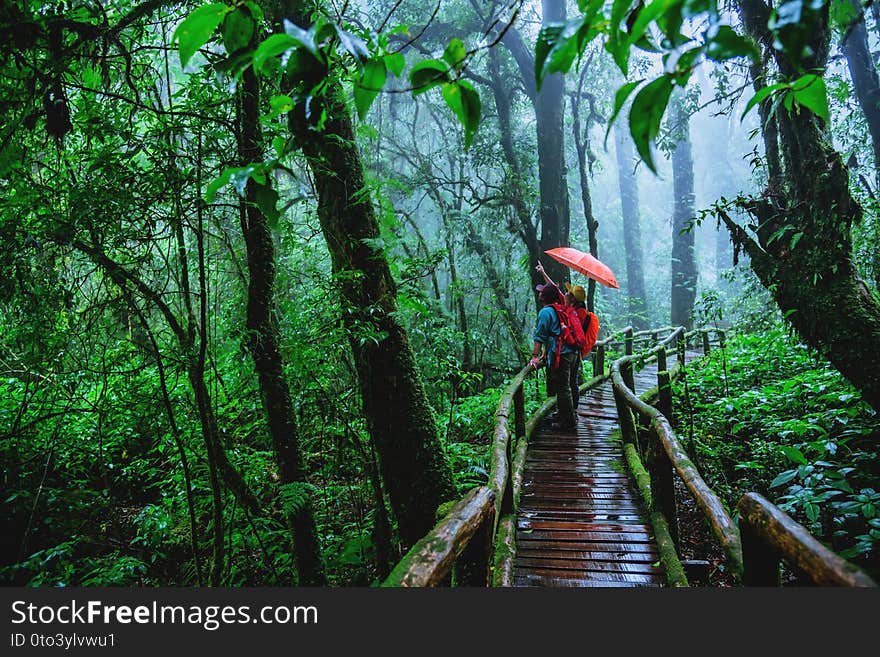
(765, 415)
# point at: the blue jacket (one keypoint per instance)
(547, 333)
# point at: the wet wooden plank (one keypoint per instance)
(589, 566)
(647, 549)
(580, 520)
(577, 556)
(533, 580)
(588, 576)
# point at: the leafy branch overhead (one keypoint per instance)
(686, 33)
(306, 56)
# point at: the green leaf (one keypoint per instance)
(646, 114)
(394, 62)
(795, 239)
(426, 75)
(353, 44)
(306, 38)
(724, 43)
(842, 13)
(619, 99)
(558, 45)
(464, 101)
(272, 47)
(455, 53)
(645, 17)
(238, 29)
(783, 478)
(267, 199)
(366, 89)
(279, 145)
(218, 182)
(809, 91)
(197, 28)
(793, 454)
(763, 93)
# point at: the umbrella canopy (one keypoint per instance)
(585, 264)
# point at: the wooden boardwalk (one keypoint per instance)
(581, 521)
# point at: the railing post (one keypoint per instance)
(663, 484)
(664, 389)
(760, 561)
(680, 347)
(706, 346)
(628, 341)
(599, 361)
(661, 359)
(721, 337)
(519, 412)
(626, 371)
(625, 419)
(472, 567)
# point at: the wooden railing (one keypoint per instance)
(445, 555)
(475, 543)
(764, 535)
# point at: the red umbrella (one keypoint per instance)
(585, 264)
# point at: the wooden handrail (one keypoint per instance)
(722, 524)
(430, 561)
(768, 533)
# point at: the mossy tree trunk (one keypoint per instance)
(808, 266)
(515, 184)
(263, 341)
(400, 420)
(552, 171)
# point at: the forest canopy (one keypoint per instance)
(267, 266)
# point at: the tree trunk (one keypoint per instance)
(399, 418)
(262, 326)
(864, 77)
(809, 270)
(582, 145)
(552, 174)
(515, 178)
(632, 233)
(684, 266)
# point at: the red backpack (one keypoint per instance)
(571, 332)
(590, 324)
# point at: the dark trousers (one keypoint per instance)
(559, 384)
(574, 379)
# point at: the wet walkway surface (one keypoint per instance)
(581, 521)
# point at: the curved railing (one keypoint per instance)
(474, 544)
(764, 534)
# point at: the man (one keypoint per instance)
(546, 343)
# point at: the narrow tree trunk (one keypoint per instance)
(262, 326)
(684, 266)
(582, 145)
(478, 246)
(552, 173)
(632, 233)
(515, 178)
(863, 72)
